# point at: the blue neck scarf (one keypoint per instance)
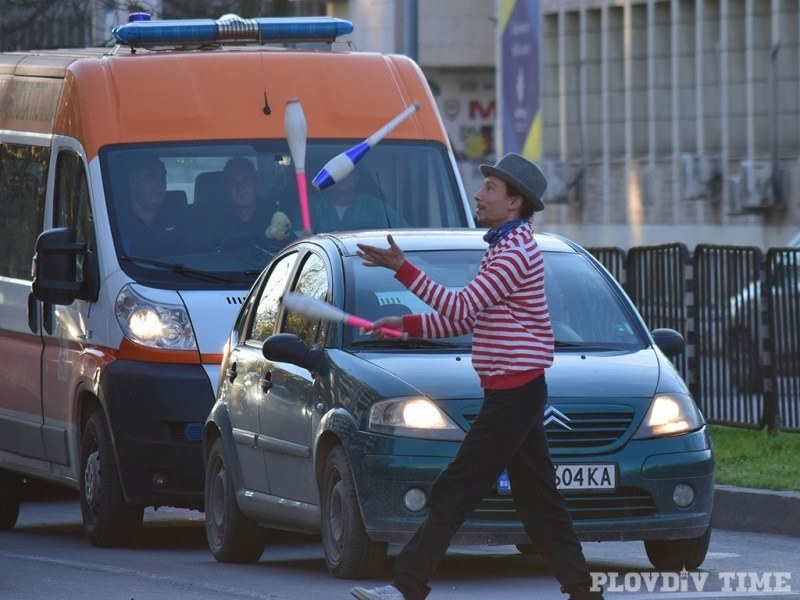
(493, 236)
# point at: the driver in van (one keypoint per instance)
(149, 226)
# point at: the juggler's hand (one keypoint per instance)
(391, 257)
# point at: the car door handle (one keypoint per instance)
(230, 372)
(266, 382)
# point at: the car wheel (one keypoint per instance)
(10, 485)
(107, 519)
(744, 363)
(673, 555)
(232, 537)
(528, 549)
(349, 552)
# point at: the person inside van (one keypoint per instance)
(344, 206)
(248, 218)
(149, 225)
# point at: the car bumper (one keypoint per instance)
(156, 413)
(641, 507)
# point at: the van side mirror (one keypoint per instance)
(669, 341)
(287, 347)
(56, 265)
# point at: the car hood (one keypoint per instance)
(610, 374)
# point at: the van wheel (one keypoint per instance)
(107, 519)
(10, 486)
(232, 537)
(349, 553)
(673, 555)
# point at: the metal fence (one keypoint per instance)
(739, 311)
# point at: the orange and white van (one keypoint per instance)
(110, 352)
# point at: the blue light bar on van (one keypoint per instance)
(231, 28)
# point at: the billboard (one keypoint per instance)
(518, 84)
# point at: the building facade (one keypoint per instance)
(676, 120)
(661, 120)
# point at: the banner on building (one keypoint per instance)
(519, 77)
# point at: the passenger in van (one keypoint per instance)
(149, 226)
(248, 218)
(343, 206)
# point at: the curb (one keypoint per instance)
(759, 511)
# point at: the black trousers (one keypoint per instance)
(508, 433)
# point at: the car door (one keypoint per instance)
(289, 414)
(242, 380)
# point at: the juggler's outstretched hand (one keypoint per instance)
(391, 257)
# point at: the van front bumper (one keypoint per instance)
(156, 414)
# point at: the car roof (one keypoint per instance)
(433, 239)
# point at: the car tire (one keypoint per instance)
(10, 492)
(349, 552)
(232, 537)
(108, 520)
(674, 555)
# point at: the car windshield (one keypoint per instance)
(586, 311)
(212, 214)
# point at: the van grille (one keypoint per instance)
(235, 299)
(624, 503)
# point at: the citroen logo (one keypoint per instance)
(553, 415)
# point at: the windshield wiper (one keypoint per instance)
(409, 343)
(175, 268)
(562, 344)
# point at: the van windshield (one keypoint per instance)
(212, 214)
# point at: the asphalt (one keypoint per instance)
(759, 511)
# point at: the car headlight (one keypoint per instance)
(412, 417)
(670, 414)
(154, 325)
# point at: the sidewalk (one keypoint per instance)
(760, 511)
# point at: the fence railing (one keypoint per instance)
(739, 312)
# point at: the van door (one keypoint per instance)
(23, 182)
(65, 330)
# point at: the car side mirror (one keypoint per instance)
(670, 341)
(59, 276)
(287, 347)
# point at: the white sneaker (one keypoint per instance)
(387, 592)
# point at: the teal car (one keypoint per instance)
(320, 428)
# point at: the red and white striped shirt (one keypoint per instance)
(504, 306)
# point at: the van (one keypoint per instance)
(111, 344)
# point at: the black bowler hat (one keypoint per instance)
(523, 175)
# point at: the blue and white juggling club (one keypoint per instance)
(341, 165)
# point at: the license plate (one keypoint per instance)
(582, 476)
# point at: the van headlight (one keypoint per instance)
(412, 417)
(154, 325)
(670, 414)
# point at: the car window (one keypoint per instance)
(312, 281)
(583, 305)
(266, 316)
